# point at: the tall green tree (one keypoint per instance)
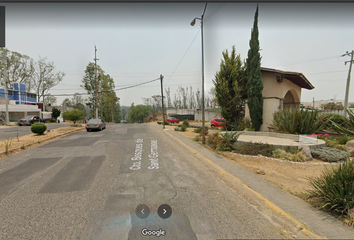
(229, 84)
(254, 78)
(108, 100)
(138, 113)
(89, 84)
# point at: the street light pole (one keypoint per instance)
(6, 89)
(203, 115)
(348, 81)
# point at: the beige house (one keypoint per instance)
(281, 89)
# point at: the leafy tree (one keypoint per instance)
(89, 84)
(333, 106)
(138, 113)
(229, 84)
(254, 78)
(44, 77)
(49, 99)
(67, 103)
(74, 115)
(20, 68)
(108, 100)
(55, 112)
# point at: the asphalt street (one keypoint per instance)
(90, 185)
(11, 132)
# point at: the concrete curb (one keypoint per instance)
(2, 154)
(232, 179)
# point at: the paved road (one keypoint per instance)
(11, 132)
(89, 184)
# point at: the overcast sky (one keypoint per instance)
(136, 42)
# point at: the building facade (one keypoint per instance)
(18, 95)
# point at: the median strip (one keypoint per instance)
(17, 144)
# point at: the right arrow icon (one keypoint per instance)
(164, 211)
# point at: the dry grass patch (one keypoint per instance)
(23, 141)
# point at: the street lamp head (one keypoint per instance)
(193, 22)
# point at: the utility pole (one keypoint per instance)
(6, 90)
(163, 112)
(148, 101)
(348, 80)
(96, 81)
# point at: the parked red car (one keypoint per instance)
(172, 120)
(217, 122)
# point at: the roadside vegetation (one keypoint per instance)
(329, 187)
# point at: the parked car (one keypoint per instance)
(172, 120)
(29, 120)
(95, 124)
(217, 122)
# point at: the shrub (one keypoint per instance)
(199, 130)
(167, 123)
(197, 138)
(282, 154)
(295, 121)
(177, 128)
(74, 115)
(230, 136)
(330, 154)
(52, 120)
(348, 126)
(179, 125)
(250, 148)
(183, 128)
(241, 125)
(218, 143)
(159, 123)
(335, 188)
(38, 128)
(186, 123)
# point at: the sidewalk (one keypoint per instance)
(319, 222)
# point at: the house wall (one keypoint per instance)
(273, 95)
(209, 114)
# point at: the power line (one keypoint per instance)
(211, 14)
(117, 89)
(313, 60)
(183, 57)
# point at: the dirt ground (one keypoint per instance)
(22, 142)
(291, 177)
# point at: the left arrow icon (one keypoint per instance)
(142, 211)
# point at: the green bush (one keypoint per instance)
(159, 123)
(230, 136)
(199, 130)
(330, 154)
(186, 123)
(183, 128)
(218, 143)
(167, 123)
(177, 128)
(250, 148)
(38, 128)
(295, 121)
(179, 125)
(74, 115)
(241, 125)
(335, 188)
(52, 120)
(347, 127)
(291, 156)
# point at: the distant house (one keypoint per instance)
(281, 89)
(20, 102)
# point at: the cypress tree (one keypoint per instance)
(254, 82)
